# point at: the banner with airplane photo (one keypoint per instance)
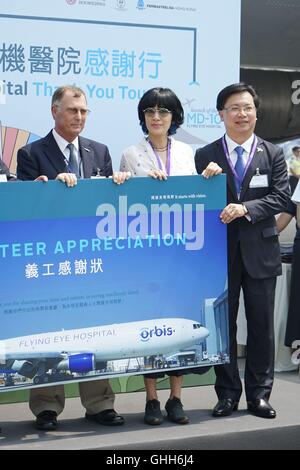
(102, 280)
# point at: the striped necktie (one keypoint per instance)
(73, 163)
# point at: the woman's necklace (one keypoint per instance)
(161, 149)
(157, 150)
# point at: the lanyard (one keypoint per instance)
(159, 162)
(250, 158)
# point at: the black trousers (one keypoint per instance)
(259, 295)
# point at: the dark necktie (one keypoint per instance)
(239, 168)
(73, 164)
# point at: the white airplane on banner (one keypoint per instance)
(83, 350)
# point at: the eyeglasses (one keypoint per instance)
(238, 109)
(162, 112)
(73, 111)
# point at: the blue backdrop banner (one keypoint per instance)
(103, 280)
(114, 50)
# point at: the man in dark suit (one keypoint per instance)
(50, 155)
(257, 189)
(63, 155)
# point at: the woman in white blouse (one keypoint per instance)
(159, 155)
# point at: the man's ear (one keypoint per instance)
(221, 114)
(53, 111)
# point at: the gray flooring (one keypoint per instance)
(239, 431)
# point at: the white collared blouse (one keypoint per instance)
(140, 159)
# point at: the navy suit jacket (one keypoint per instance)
(43, 157)
(258, 238)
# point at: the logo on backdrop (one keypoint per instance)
(71, 2)
(141, 5)
(11, 139)
(147, 333)
(121, 4)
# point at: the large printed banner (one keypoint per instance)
(103, 280)
(114, 50)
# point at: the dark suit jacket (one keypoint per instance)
(259, 237)
(43, 157)
(5, 171)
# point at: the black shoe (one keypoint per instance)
(225, 407)
(153, 414)
(107, 417)
(261, 408)
(46, 420)
(175, 411)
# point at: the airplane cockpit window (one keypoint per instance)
(196, 326)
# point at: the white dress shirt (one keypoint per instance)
(231, 145)
(63, 143)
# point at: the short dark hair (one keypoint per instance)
(296, 148)
(60, 92)
(232, 90)
(162, 98)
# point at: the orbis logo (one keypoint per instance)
(147, 333)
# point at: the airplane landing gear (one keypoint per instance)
(41, 379)
(48, 378)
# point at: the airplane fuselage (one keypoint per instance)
(110, 342)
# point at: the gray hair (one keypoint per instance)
(61, 91)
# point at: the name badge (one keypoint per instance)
(3, 178)
(259, 181)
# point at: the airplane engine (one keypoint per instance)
(78, 363)
(25, 368)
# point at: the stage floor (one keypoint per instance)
(239, 431)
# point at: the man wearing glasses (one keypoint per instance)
(257, 189)
(63, 153)
(62, 150)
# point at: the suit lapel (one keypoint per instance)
(53, 153)
(87, 157)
